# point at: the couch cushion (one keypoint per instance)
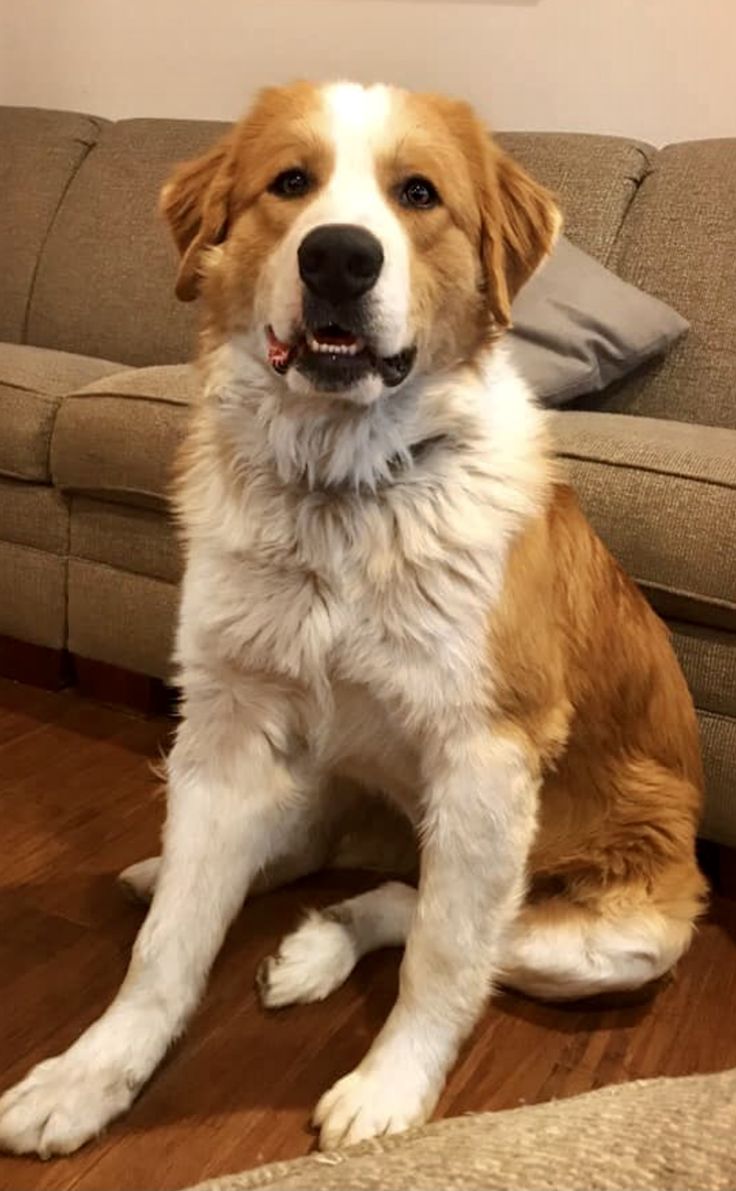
(143, 611)
(679, 243)
(34, 515)
(117, 437)
(718, 745)
(594, 177)
(41, 151)
(32, 381)
(708, 660)
(577, 327)
(105, 284)
(142, 541)
(662, 496)
(33, 595)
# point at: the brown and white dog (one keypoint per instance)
(387, 583)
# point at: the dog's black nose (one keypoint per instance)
(340, 261)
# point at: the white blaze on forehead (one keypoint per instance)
(359, 124)
(362, 122)
(356, 109)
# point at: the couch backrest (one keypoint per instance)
(104, 265)
(105, 282)
(666, 221)
(40, 152)
(594, 177)
(678, 242)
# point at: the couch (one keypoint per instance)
(95, 384)
(663, 1134)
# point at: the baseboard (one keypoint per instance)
(55, 669)
(123, 688)
(37, 665)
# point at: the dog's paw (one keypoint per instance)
(309, 965)
(61, 1104)
(367, 1104)
(138, 881)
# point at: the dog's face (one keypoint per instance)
(357, 235)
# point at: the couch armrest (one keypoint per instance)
(662, 495)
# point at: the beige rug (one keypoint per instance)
(668, 1134)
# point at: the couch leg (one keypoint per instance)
(37, 665)
(111, 684)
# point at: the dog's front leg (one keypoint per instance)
(477, 831)
(232, 806)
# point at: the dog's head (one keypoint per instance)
(357, 235)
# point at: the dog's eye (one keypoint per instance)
(418, 192)
(291, 184)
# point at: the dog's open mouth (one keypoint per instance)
(333, 358)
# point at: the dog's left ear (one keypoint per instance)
(194, 201)
(520, 222)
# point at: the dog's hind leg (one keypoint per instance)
(557, 951)
(139, 880)
(345, 827)
(319, 955)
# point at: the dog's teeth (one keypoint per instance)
(334, 349)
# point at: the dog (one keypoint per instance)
(389, 592)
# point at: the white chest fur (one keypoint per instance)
(325, 554)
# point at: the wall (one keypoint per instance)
(658, 69)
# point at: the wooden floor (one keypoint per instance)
(78, 804)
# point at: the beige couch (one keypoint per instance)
(94, 390)
(663, 1134)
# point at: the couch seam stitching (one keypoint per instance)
(638, 183)
(729, 485)
(170, 402)
(108, 566)
(34, 549)
(715, 715)
(49, 229)
(668, 589)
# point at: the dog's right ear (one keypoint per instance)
(195, 202)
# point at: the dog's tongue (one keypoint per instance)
(334, 336)
(278, 352)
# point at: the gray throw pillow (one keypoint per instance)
(577, 327)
